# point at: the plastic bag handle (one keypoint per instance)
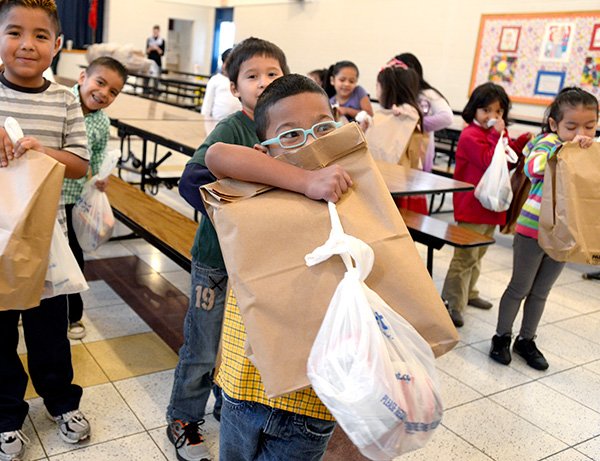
(337, 231)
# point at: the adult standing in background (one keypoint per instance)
(219, 101)
(437, 113)
(155, 47)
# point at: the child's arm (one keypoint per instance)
(246, 164)
(76, 167)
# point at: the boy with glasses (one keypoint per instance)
(292, 112)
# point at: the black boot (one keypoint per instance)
(527, 349)
(500, 350)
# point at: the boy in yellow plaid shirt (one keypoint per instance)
(291, 112)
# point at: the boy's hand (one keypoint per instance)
(584, 141)
(26, 143)
(6, 148)
(101, 184)
(328, 183)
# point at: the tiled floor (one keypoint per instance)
(492, 412)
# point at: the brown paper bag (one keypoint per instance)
(264, 240)
(30, 189)
(520, 185)
(569, 227)
(397, 139)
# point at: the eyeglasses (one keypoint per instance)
(298, 136)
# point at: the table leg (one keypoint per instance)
(430, 260)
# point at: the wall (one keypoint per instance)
(443, 34)
(131, 21)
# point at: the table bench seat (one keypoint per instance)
(435, 233)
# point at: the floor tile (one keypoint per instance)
(577, 299)
(112, 322)
(478, 371)
(590, 448)
(109, 417)
(454, 392)
(445, 445)
(139, 247)
(500, 434)
(148, 396)
(568, 455)
(211, 437)
(182, 280)
(86, 370)
(585, 326)
(134, 447)
(100, 294)
(108, 250)
(579, 384)
(567, 345)
(551, 411)
(593, 366)
(34, 447)
(491, 285)
(130, 356)
(159, 262)
(475, 330)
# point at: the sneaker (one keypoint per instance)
(527, 349)
(12, 445)
(76, 330)
(73, 427)
(480, 303)
(188, 440)
(500, 350)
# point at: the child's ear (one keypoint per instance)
(58, 43)
(553, 124)
(261, 148)
(234, 90)
(81, 78)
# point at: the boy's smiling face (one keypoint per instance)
(255, 75)
(99, 89)
(299, 111)
(27, 45)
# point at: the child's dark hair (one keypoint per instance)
(49, 6)
(483, 96)
(399, 86)
(571, 97)
(320, 74)
(288, 85)
(109, 63)
(412, 62)
(333, 71)
(249, 48)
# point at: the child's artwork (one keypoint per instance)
(557, 42)
(534, 55)
(502, 69)
(509, 39)
(591, 72)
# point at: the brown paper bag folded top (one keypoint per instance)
(30, 189)
(569, 227)
(264, 236)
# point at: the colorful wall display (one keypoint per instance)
(534, 55)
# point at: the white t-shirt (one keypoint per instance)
(218, 101)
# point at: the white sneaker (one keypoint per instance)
(76, 330)
(188, 440)
(12, 445)
(73, 427)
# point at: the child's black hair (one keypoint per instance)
(399, 86)
(48, 6)
(109, 63)
(333, 71)
(320, 74)
(283, 87)
(483, 96)
(249, 48)
(412, 62)
(571, 97)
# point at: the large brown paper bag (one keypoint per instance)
(30, 189)
(520, 185)
(397, 139)
(569, 228)
(265, 233)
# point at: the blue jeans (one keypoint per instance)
(201, 335)
(252, 431)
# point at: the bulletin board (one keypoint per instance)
(534, 55)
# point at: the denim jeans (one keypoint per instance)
(201, 335)
(252, 431)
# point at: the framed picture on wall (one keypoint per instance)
(509, 39)
(548, 83)
(557, 42)
(595, 43)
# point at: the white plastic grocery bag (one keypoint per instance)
(494, 191)
(93, 219)
(368, 365)
(64, 275)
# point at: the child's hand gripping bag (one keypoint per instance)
(93, 219)
(368, 365)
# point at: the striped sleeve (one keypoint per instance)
(75, 137)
